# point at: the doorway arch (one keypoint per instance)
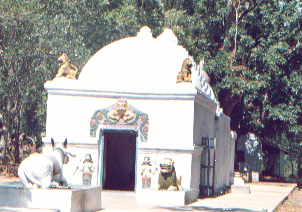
(121, 128)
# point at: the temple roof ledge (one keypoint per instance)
(204, 99)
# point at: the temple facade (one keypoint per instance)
(136, 102)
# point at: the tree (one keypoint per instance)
(252, 53)
(151, 13)
(251, 50)
(21, 61)
(34, 34)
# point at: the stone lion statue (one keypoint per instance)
(66, 69)
(167, 179)
(185, 73)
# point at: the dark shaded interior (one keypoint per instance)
(119, 160)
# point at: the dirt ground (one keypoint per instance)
(7, 178)
(293, 203)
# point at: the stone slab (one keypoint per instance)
(254, 177)
(77, 199)
(13, 209)
(263, 197)
(166, 198)
(240, 189)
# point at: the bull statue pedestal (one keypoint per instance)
(79, 198)
(43, 185)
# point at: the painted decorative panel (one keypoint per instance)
(120, 115)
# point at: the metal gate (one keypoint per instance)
(207, 170)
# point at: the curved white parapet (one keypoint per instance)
(138, 64)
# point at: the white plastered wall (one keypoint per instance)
(224, 152)
(170, 129)
(174, 125)
(170, 121)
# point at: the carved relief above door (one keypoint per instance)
(120, 115)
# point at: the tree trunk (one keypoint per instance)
(17, 130)
(299, 181)
(7, 125)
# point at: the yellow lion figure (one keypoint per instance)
(185, 74)
(167, 179)
(66, 69)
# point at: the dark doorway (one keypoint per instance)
(119, 160)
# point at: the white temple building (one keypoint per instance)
(161, 118)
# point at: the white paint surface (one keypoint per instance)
(143, 71)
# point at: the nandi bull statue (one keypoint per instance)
(40, 170)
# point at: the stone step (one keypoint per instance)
(237, 174)
(240, 189)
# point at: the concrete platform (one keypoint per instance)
(166, 198)
(243, 189)
(79, 198)
(14, 209)
(263, 196)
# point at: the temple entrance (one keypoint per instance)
(119, 159)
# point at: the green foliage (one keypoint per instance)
(150, 13)
(35, 33)
(251, 51)
(250, 47)
(21, 72)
